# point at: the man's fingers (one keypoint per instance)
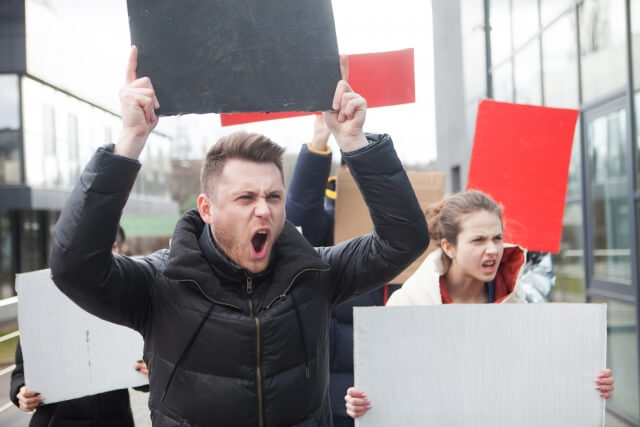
(344, 67)
(132, 65)
(341, 88)
(353, 104)
(354, 392)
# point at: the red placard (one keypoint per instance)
(520, 157)
(383, 78)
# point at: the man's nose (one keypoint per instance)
(492, 248)
(262, 208)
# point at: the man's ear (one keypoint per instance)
(204, 208)
(448, 248)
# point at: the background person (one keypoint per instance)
(311, 205)
(109, 409)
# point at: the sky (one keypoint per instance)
(94, 53)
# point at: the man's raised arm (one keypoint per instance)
(82, 265)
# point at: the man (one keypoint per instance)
(311, 205)
(235, 315)
(109, 409)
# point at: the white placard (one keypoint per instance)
(479, 365)
(69, 353)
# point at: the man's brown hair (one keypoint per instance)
(242, 145)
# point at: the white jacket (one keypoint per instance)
(423, 287)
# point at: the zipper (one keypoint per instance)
(284, 294)
(258, 361)
(249, 284)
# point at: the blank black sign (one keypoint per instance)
(218, 56)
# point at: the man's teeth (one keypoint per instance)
(262, 232)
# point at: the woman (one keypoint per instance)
(472, 265)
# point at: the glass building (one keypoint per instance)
(48, 132)
(583, 55)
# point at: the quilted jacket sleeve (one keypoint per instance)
(113, 287)
(400, 231)
(305, 197)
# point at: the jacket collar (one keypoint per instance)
(194, 257)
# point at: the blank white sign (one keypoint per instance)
(67, 352)
(481, 365)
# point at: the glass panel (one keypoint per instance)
(550, 9)
(602, 43)
(622, 357)
(471, 16)
(526, 64)
(7, 255)
(475, 81)
(9, 130)
(568, 263)
(609, 206)
(525, 21)
(32, 240)
(500, 19)
(503, 83)
(560, 63)
(574, 185)
(635, 41)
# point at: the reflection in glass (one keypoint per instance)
(7, 255)
(525, 21)
(503, 83)
(32, 239)
(500, 18)
(471, 16)
(574, 184)
(550, 9)
(526, 71)
(568, 263)
(602, 44)
(622, 357)
(610, 210)
(9, 130)
(560, 63)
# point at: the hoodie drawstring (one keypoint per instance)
(186, 350)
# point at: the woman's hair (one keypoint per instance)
(444, 218)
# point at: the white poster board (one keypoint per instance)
(468, 365)
(67, 352)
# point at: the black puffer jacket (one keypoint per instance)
(226, 348)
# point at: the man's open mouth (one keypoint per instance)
(259, 243)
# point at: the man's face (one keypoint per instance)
(246, 211)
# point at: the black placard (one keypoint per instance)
(213, 56)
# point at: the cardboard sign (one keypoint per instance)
(383, 79)
(478, 365)
(352, 215)
(520, 157)
(69, 353)
(245, 55)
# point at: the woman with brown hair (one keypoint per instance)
(472, 265)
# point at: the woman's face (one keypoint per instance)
(480, 247)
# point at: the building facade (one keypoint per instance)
(48, 132)
(575, 54)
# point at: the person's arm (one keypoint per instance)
(400, 230)
(305, 196)
(110, 286)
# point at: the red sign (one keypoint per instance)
(383, 79)
(520, 157)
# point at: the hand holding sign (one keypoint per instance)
(138, 103)
(347, 119)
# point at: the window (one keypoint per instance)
(10, 164)
(560, 63)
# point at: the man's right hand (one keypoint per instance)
(138, 104)
(29, 400)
